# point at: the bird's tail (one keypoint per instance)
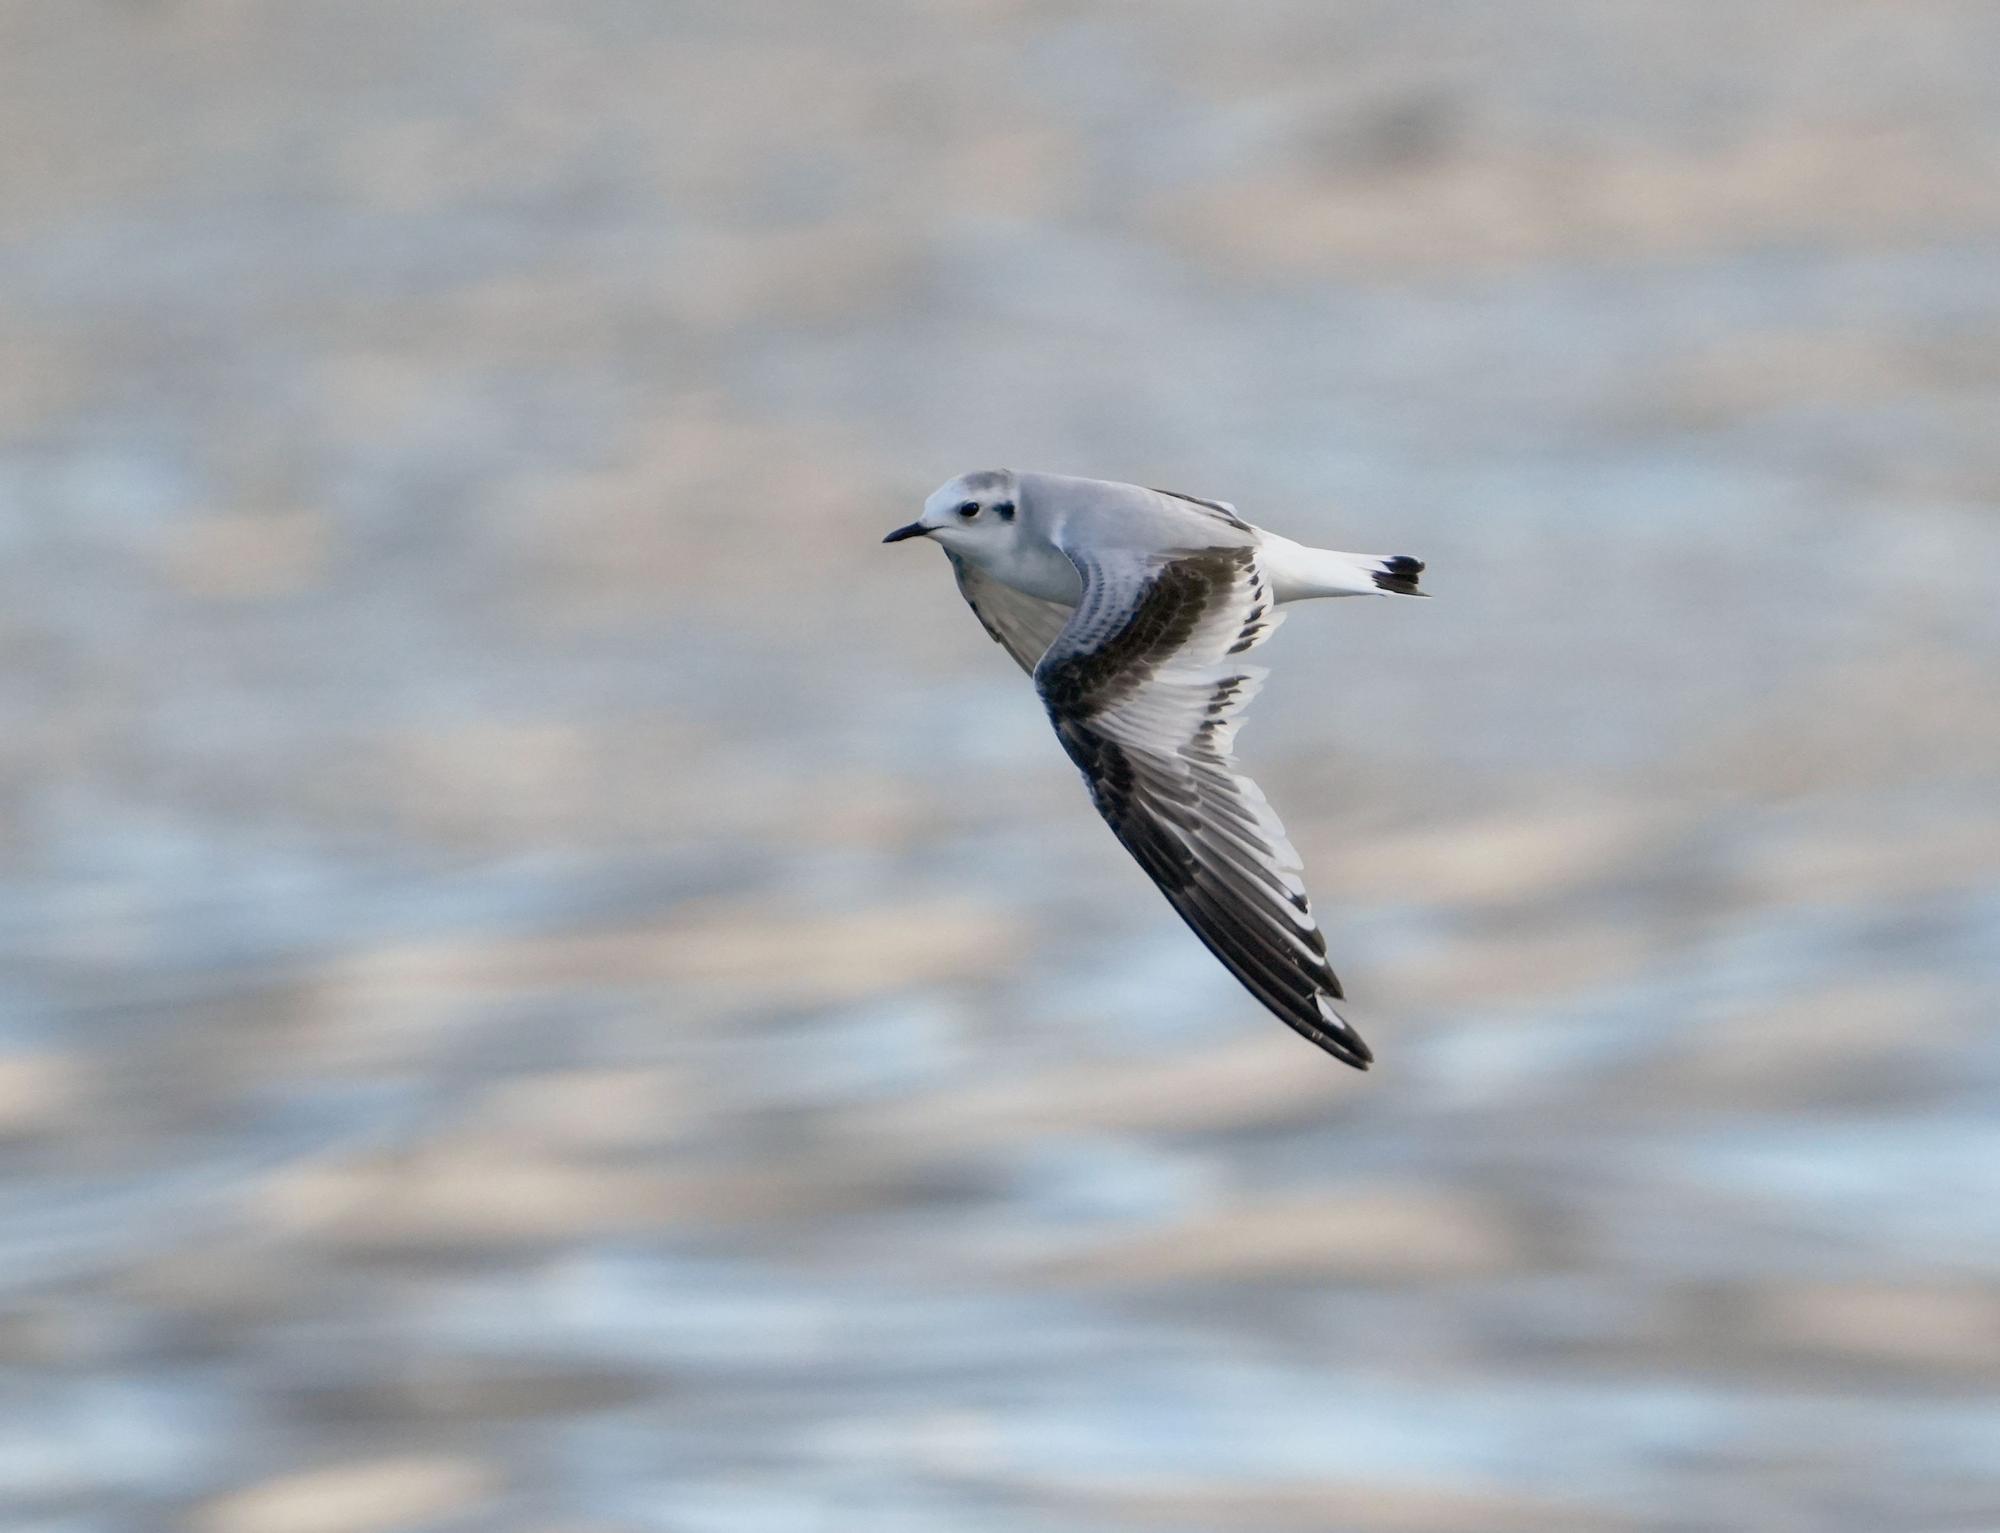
(1299, 572)
(1397, 575)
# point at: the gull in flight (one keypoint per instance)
(1133, 609)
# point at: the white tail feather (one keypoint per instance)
(1297, 572)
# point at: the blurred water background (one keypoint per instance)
(548, 982)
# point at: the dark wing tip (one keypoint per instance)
(1345, 1045)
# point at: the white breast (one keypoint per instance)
(1033, 565)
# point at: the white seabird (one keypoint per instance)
(1131, 608)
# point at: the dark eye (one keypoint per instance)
(1004, 509)
(968, 509)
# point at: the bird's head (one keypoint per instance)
(971, 513)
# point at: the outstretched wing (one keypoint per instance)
(1025, 626)
(1221, 510)
(1145, 689)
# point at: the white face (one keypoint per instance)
(973, 514)
(972, 510)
